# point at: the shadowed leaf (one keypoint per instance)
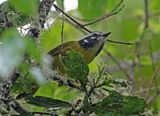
(48, 102)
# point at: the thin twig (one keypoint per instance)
(45, 113)
(81, 26)
(71, 23)
(151, 56)
(153, 78)
(77, 23)
(44, 9)
(11, 102)
(119, 42)
(62, 29)
(154, 97)
(113, 12)
(118, 64)
(145, 90)
(129, 65)
(59, 78)
(146, 14)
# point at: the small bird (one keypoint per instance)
(89, 47)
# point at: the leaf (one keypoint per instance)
(47, 102)
(14, 17)
(75, 66)
(60, 3)
(133, 105)
(26, 7)
(116, 103)
(91, 9)
(155, 5)
(110, 104)
(32, 50)
(53, 90)
(145, 60)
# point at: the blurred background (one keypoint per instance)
(138, 22)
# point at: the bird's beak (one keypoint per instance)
(106, 34)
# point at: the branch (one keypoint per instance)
(71, 23)
(118, 64)
(55, 76)
(44, 9)
(154, 97)
(119, 42)
(129, 65)
(83, 26)
(113, 12)
(146, 12)
(7, 85)
(16, 106)
(62, 29)
(72, 19)
(153, 78)
(45, 113)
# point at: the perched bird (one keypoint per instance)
(89, 47)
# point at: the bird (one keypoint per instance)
(89, 47)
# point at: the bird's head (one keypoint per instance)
(94, 41)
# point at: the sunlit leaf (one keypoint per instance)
(145, 60)
(60, 3)
(22, 6)
(52, 90)
(90, 9)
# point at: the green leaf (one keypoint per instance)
(145, 60)
(60, 3)
(32, 50)
(48, 102)
(155, 5)
(116, 103)
(53, 90)
(75, 66)
(25, 84)
(14, 17)
(26, 7)
(133, 105)
(109, 105)
(91, 9)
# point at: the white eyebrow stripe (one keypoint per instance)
(93, 37)
(86, 41)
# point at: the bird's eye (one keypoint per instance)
(94, 35)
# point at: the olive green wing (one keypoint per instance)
(61, 48)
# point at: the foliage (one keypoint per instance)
(116, 103)
(47, 102)
(126, 84)
(75, 66)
